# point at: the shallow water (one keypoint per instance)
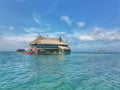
(76, 71)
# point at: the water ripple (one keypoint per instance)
(76, 71)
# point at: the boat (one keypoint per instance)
(27, 52)
(20, 50)
(101, 51)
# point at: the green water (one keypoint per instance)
(76, 71)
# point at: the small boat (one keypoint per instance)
(101, 51)
(27, 52)
(20, 50)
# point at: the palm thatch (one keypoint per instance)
(44, 40)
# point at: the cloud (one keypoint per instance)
(104, 34)
(11, 28)
(7, 28)
(54, 5)
(80, 24)
(99, 34)
(67, 20)
(94, 37)
(85, 38)
(13, 42)
(54, 34)
(36, 29)
(37, 18)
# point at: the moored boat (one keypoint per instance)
(27, 52)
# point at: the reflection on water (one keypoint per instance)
(47, 64)
(56, 57)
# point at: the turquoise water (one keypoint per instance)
(76, 71)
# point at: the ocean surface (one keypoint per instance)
(75, 71)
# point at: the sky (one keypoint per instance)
(85, 25)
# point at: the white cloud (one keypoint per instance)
(37, 30)
(54, 5)
(37, 18)
(7, 28)
(85, 38)
(53, 34)
(11, 28)
(105, 34)
(99, 34)
(67, 20)
(13, 42)
(96, 29)
(80, 24)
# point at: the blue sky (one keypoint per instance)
(86, 25)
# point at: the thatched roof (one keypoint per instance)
(44, 40)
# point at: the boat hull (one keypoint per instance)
(29, 52)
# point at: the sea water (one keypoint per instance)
(75, 71)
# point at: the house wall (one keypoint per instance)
(43, 46)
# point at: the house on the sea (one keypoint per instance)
(44, 45)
